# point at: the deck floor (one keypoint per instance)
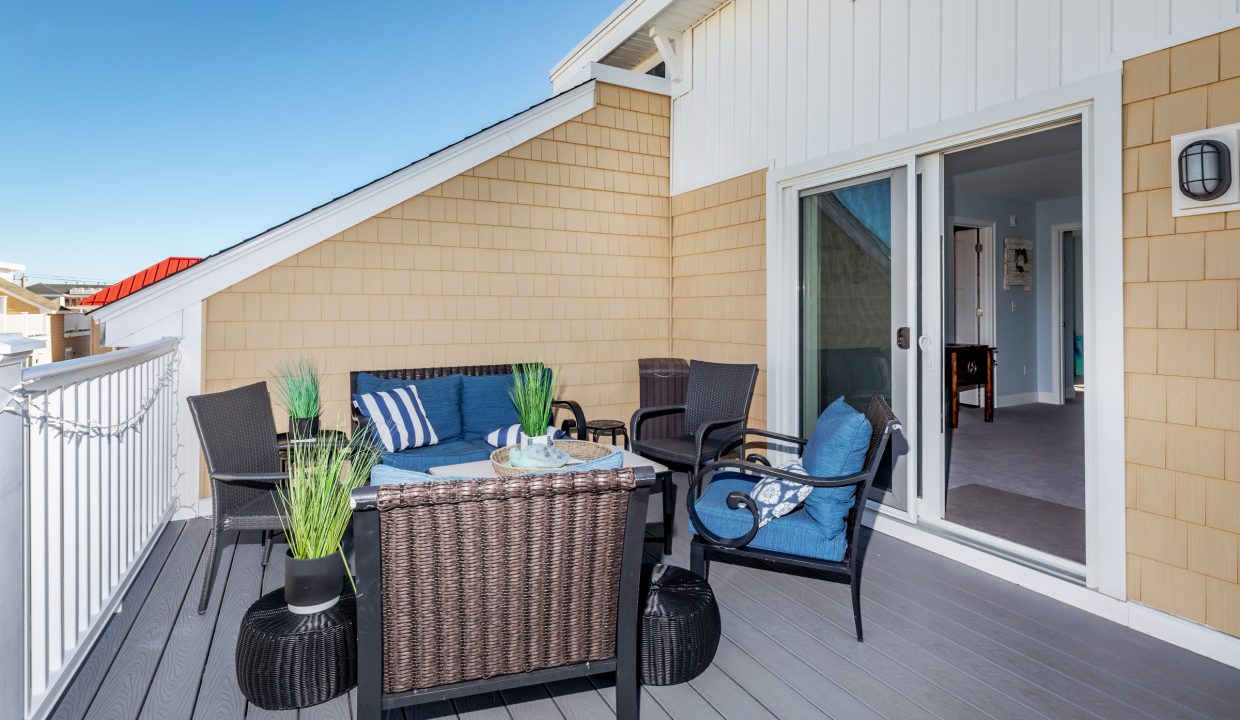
(942, 641)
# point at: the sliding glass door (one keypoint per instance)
(854, 295)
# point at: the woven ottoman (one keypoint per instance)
(680, 625)
(287, 661)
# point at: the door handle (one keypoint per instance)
(902, 338)
(925, 343)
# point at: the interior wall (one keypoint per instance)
(1016, 311)
(1060, 211)
(1181, 344)
(557, 250)
(719, 277)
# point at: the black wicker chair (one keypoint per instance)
(716, 407)
(238, 437)
(707, 546)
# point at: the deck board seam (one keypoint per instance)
(848, 628)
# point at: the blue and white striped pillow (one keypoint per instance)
(398, 417)
(512, 435)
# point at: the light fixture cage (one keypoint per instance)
(1205, 170)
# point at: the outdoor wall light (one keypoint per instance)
(1205, 170)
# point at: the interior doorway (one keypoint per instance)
(1014, 470)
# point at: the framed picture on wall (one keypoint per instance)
(1017, 263)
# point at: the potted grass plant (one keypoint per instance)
(314, 511)
(297, 391)
(533, 388)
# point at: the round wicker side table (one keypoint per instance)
(680, 625)
(287, 661)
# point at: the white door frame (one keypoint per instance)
(985, 236)
(1058, 392)
(1098, 102)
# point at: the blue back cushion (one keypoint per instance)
(836, 448)
(486, 405)
(441, 397)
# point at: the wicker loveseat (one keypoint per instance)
(462, 403)
(474, 586)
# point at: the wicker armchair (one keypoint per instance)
(238, 437)
(716, 406)
(466, 587)
(707, 546)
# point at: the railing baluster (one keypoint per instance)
(94, 500)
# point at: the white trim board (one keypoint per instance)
(229, 267)
(1171, 629)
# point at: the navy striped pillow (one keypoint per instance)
(398, 417)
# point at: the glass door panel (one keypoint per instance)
(853, 292)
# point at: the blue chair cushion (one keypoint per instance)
(441, 397)
(486, 405)
(445, 453)
(796, 533)
(837, 448)
(823, 456)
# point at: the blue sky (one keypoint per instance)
(134, 131)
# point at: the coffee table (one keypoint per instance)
(483, 468)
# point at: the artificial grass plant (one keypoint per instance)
(533, 388)
(297, 388)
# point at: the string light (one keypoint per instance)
(20, 403)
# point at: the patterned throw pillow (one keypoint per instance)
(776, 497)
(512, 435)
(398, 418)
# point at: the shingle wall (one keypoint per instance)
(719, 276)
(1182, 344)
(557, 250)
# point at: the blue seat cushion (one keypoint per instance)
(441, 398)
(486, 405)
(422, 459)
(837, 448)
(796, 533)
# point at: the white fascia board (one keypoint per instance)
(204, 279)
(622, 24)
(625, 78)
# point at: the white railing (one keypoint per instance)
(100, 441)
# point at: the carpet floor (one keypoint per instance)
(1022, 477)
(1036, 450)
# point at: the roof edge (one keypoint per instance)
(625, 20)
(232, 265)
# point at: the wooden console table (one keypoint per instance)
(968, 366)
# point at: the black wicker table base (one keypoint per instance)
(680, 625)
(287, 661)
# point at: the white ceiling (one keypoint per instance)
(1037, 167)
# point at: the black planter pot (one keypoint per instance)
(312, 585)
(303, 427)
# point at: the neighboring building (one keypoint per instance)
(135, 282)
(67, 295)
(835, 191)
(45, 312)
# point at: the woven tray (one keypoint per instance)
(580, 449)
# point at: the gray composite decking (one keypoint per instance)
(942, 641)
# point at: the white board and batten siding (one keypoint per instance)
(777, 82)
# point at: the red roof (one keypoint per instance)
(139, 280)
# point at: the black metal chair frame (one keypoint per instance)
(702, 434)
(372, 701)
(572, 406)
(238, 438)
(707, 546)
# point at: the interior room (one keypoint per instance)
(1013, 323)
